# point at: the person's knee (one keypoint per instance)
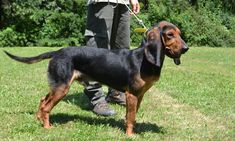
(90, 41)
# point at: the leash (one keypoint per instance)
(140, 30)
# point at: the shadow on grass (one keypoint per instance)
(79, 99)
(82, 101)
(62, 118)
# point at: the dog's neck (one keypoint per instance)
(146, 66)
(150, 68)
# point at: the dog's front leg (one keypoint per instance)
(131, 108)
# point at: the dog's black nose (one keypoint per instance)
(185, 49)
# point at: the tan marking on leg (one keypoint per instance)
(131, 107)
(142, 92)
(76, 75)
(140, 97)
(48, 102)
(138, 82)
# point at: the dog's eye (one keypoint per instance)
(170, 35)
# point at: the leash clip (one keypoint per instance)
(141, 30)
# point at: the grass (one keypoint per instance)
(193, 101)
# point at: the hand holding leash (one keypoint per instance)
(135, 6)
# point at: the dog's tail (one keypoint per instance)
(31, 60)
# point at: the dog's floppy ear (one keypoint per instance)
(153, 47)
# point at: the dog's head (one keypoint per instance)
(164, 38)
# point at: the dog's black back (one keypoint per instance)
(113, 67)
(105, 66)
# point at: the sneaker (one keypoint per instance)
(116, 97)
(103, 109)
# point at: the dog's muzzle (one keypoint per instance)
(184, 49)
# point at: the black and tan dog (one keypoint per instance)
(130, 71)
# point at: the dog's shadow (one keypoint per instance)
(78, 99)
(81, 100)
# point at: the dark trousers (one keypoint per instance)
(108, 26)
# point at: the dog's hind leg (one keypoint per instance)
(56, 93)
(61, 75)
(48, 102)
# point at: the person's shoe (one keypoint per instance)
(102, 109)
(116, 97)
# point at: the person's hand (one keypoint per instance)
(135, 6)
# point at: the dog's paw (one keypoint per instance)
(47, 126)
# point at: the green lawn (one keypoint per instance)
(193, 101)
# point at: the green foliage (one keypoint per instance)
(7, 37)
(205, 24)
(136, 38)
(40, 22)
(62, 22)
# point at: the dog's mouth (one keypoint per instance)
(174, 55)
(177, 61)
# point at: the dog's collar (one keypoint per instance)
(145, 34)
(144, 40)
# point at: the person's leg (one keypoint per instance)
(115, 96)
(97, 36)
(120, 38)
(99, 24)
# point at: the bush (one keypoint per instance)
(202, 25)
(62, 22)
(45, 23)
(10, 38)
(136, 38)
